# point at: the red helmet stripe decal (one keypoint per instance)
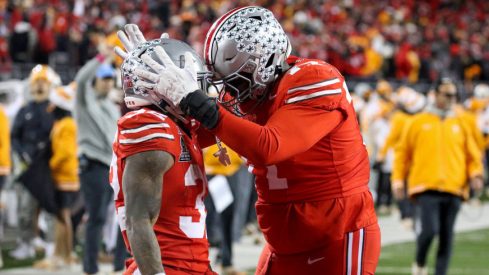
(210, 34)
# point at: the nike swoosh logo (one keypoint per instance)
(309, 261)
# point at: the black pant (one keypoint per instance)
(436, 212)
(225, 225)
(405, 205)
(2, 181)
(225, 219)
(98, 194)
(384, 192)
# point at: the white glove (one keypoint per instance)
(169, 81)
(136, 37)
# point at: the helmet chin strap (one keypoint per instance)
(164, 106)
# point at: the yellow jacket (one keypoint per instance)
(471, 120)
(437, 154)
(398, 121)
(373, 62)
(214, 167)
(64, 162)
(5, 162)
(416, 64)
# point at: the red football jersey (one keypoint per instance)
(180, 228)
(337, 165)
(305, 148)
(298, 156)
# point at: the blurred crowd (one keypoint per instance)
(429, 154)
(410, 40)
(55, 162)
(35, 108)
(384, 112)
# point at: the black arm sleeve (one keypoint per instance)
(200, 107)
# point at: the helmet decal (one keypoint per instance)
(245, 43)
(136, 96)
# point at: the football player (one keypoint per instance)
(157, 174)
(294, 122)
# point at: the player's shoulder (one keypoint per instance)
(399, 117)
(144, 117)
(309, 71)
(421, 118)
(146, 124)
(310, 79)
(67, 123)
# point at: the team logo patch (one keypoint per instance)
(185, 154)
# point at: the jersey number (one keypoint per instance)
(195, 229)
(274, 182)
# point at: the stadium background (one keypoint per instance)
(406, 42)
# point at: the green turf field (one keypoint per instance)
(470, 256)
(9, 262)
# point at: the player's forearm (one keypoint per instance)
(144, 247)
(257, 143)
(285, 135)
(205, 138)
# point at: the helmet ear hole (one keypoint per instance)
(270, 60)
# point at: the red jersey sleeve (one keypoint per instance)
(289, 131)
(146, 130)
(314, 83)
(311, 101)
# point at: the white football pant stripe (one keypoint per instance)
(357, 258)
(360, 252)
(348, 257)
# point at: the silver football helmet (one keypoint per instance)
(245, 49)
(135, 96)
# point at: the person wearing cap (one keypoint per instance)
(438, 151)
(64, 171)
(5, 161)
(96, 117)
(30, 134)
(232, 219)
(409, 102)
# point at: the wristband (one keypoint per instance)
(200, 107)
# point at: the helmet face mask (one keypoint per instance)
(135, 96)
(250, 45)
(238, 89)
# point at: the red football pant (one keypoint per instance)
(132, 269)
(356, 254)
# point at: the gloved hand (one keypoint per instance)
(169, 80)
(136, 37)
